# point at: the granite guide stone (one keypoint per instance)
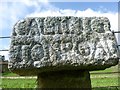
(61, 51)
(44, 44)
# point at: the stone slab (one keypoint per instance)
(62, 43)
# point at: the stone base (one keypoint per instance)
(65, 79)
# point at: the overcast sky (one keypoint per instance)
(11, 12)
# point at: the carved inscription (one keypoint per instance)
(52, 41)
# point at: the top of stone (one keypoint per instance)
(62, 43)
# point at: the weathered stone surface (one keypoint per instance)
(65, 79)
(62, 43)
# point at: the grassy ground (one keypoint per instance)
(103, 82)
(97, 80)
(18, 83)
(9, 74)
(112, 69)
(31, 83)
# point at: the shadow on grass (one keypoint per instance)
(9, 74)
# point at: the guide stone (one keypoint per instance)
(62, 43)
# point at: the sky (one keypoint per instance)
(13, 10)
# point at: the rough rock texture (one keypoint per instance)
(62, 43)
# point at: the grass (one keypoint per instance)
(106, 88)
(18, 83)
(97, 80)
(112, 69)
(9, 74)
(31, 83)
(103, 82)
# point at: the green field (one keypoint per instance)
(31, 83)
(97, 80)
(18, 83)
